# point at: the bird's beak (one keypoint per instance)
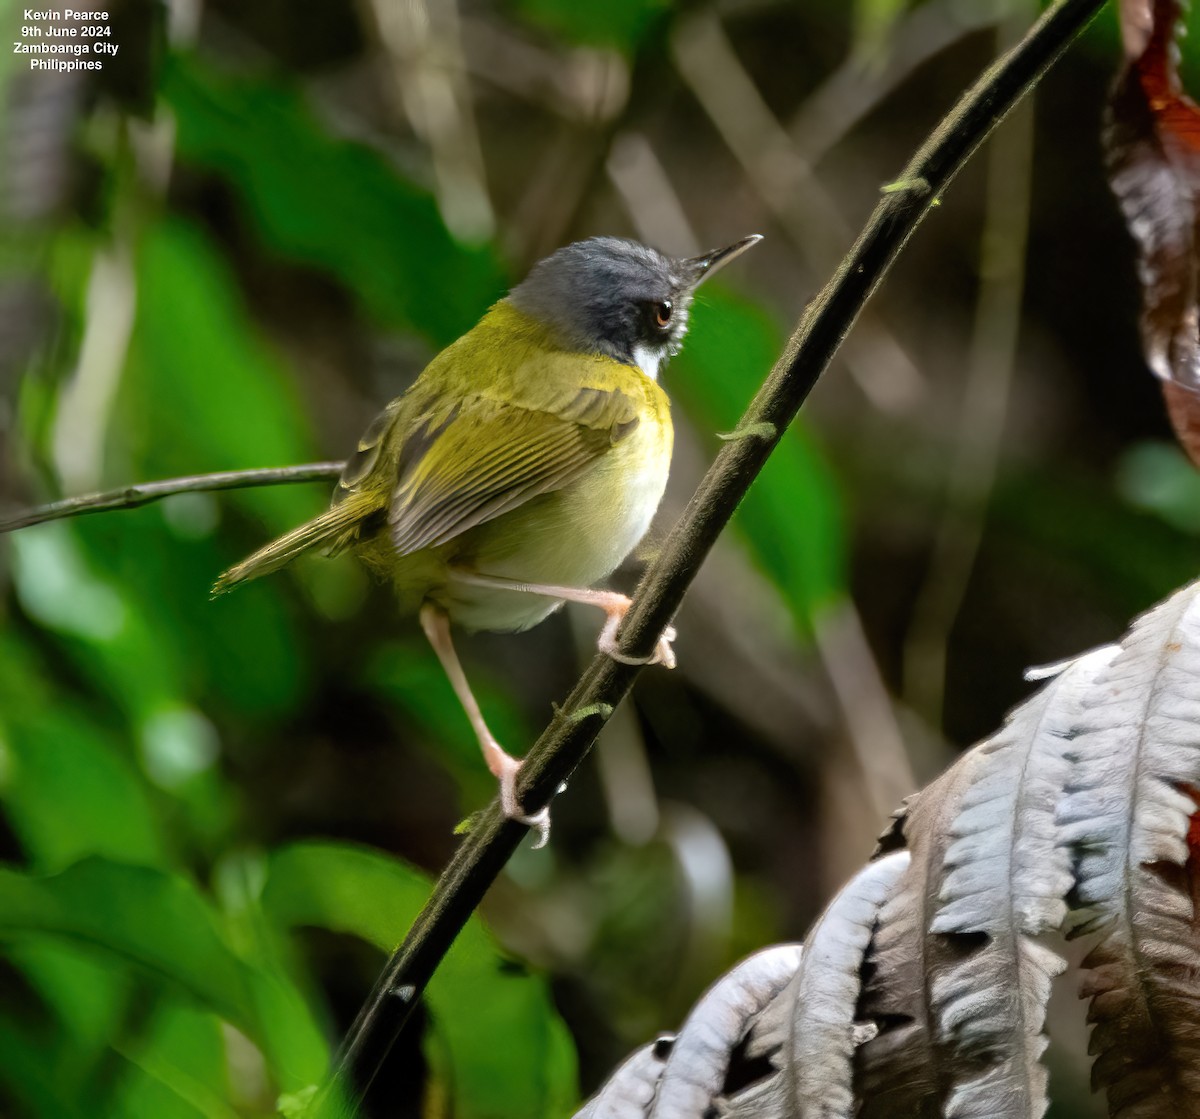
(699, 268)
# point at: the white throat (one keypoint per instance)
(647, 360)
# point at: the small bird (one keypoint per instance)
(524, 464)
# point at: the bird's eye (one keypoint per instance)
(661, 313)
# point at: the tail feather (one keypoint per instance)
(330, 529)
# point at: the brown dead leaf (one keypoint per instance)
(1153, 145)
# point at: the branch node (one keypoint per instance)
(467, 825)
(604, 710)
(757, 430)
(918, 186)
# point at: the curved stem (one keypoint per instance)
(130, 497)
(605, 683)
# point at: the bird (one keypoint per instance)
(523, 465)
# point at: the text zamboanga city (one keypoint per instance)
(76, 26)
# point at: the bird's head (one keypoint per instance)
(619, 298)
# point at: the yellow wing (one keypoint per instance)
(481, 458)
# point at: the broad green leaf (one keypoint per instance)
(69, 793)
(65, 785)
(330, 203)
(203, 391)
(154, 920)
(792, 517)
(177, 1069)
(84, 993)
(31, 1073)
(159, 924)
(107, 636)
(506, 1052)
(242, 651)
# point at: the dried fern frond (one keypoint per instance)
(826, 992)
(901, 1071)
(695, 1072)
(685, 1076)
(809, 1030)
(629, 1092)
(1127, 818)
(1083, 807)
(1004, 881)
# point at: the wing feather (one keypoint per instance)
(487, 457)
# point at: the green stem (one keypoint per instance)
(565, 742)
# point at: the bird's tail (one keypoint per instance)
(330, 529)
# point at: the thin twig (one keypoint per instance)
(565, 742)
(130, 497)
(971, 471)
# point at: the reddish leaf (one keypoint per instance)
(1153, 142)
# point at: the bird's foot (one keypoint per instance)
(616, 610)
(506, 767)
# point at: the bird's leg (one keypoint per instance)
(614, 605)
(503, 765)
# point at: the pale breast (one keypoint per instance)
(573, 537)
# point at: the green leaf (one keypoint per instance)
(85, 995)
(31, 1072)
(243, 652)
(502, 1051)
(203, 391)
(178, 1068)
(330, 203)
(159, 924)
(107, 635)
(149, 918)
(792, 518)
(66, 787)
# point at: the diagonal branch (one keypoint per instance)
(605, 683)
(130, 497)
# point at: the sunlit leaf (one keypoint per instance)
(85, 993)
(148, 918)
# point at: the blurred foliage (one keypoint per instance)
(216, 818)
